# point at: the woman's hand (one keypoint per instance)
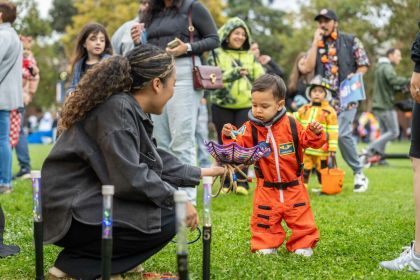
(178, 50)
(415, 86)
(212, 171)
(192, 216)
(136, 31)
(316, 127)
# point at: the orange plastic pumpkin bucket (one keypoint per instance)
(331, 180)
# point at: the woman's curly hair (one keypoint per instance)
(113, 75)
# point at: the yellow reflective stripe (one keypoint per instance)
(315, 152)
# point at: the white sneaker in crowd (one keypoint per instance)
(361, 182)
(269, 251)
(306, 252)
(406, 261)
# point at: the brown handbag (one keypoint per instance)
(204, 76)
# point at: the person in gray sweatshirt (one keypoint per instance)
(11, 96)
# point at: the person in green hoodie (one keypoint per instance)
(240, 68)
(386, 84)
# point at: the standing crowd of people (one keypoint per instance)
(125, 123)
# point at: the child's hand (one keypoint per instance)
(315, 127)
(227, 129)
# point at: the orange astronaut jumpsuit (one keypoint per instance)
(280, 192)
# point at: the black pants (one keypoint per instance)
(415, 132)
(81, 256)
(237, 117)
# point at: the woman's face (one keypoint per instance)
(165, 92)
(95, 44)
(236, 38)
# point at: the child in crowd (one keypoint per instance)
(30, 70)
(92, 45)
(318, 110)
(280, 192)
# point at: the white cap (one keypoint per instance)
(107, 190)
(207, 180)
(180, 196)
(35, 174)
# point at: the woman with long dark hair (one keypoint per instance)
(106, 139)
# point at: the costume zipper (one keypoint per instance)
(276, 159)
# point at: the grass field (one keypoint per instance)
(358, 230)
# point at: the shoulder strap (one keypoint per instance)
(254, 133)
(296, 144)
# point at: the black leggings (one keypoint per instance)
(237, 117)
(81, 256)
(415, 132)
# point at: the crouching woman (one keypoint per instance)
(106, 139)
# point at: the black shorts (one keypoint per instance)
(415, 132)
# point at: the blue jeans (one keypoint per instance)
(201, 135)
(22, 151)
(346, 142)
(5, 150)
(174, 129)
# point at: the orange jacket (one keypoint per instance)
(281, 146)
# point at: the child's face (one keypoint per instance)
(265, 106)
(95, 44)
(317, 94)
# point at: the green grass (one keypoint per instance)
(357, 231)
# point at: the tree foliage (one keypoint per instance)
(216, 8)
(29, 21)
(61, 14)
(265, 22)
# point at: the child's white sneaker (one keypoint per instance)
(269, 251)
(306, 252)
(406, 261)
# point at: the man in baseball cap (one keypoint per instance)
(325, 13)
(335, 56)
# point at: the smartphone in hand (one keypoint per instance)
(174, 43)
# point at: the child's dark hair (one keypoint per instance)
(116, 74)
(270, 82)
(8, 11)
(90, 28)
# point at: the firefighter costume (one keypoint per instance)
(280, 193)
(323, 113)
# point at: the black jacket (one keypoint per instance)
(172, 23)
(113, 145)
(415, 52)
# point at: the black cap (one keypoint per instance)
(326, 14)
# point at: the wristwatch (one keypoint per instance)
(189, 48)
